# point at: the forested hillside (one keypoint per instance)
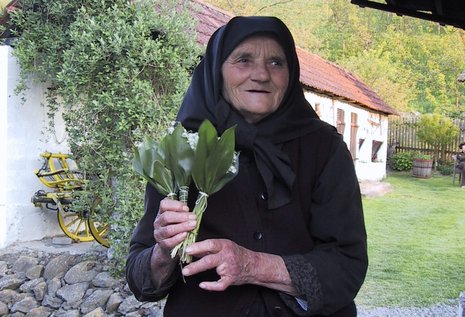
(412, 64)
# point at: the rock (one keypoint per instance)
(3, 268)
(53, 285)
(69, 313)
(24, 263)
(3, 309)
(34, 272)
(58, 266)
(9, 296)
(62, 240)
(39, 312)
(128, 305)
(42, 284)
(29, 285)
(97, 312)
(81, 272)
(72, 293)
(25, 305)
(113, 302)
(52, 301)
(11, 282)
(104, 280)
(39, 291)
(152, 309)
(98, 298)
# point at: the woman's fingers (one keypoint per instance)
(230, 261)
(172, 223)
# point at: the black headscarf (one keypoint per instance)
(292, 119)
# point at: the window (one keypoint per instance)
(376, 145)
(340, 123)
(353, 135)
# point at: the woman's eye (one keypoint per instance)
(277, 63)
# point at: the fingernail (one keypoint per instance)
(185, 271)
(188, 249)
(192, 223)
(185, 208)
(192, 217)
(202, 285)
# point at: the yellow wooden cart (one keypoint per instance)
(61, 175)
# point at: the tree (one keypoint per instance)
(437, 131)
(118, 69)
(412, 63)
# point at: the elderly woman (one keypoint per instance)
(286, 237)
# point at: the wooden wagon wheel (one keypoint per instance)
(74, 224)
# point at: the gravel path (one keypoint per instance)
(450, 309)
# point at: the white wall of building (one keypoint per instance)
(372, 126)
(23, 137)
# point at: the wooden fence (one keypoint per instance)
(402, 137)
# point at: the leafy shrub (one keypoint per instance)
(118, 70)
(445, 169)
(422, 156)
(402, 161)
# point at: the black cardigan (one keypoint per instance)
(320, 235)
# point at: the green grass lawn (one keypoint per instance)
(416, 243)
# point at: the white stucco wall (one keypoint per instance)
(22, 139)
(372, 127)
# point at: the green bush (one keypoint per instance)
(402, 161)
(422, 156)
(445, 169)
(118, 70)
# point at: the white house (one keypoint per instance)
(337, 96)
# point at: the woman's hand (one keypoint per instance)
(237, 265)
(170, 228)
(172, 224)
(231, 261)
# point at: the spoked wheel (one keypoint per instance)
(74, 224)
(99, 231)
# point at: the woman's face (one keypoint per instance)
(255, 77)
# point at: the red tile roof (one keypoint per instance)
(316, 74)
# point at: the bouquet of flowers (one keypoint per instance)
(182, 157)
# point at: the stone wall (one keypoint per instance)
(65, 285)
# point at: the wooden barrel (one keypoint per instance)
(422, 168)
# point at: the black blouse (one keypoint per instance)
(320, 235)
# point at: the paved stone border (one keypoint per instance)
(41, 284)
(41, 279)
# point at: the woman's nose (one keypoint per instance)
(260, 72)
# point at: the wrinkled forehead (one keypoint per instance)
(241, 28)
(259, 41)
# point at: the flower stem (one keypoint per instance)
(183, 193)
(199, 208)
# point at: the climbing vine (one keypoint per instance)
(117, 69)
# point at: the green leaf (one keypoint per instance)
(207, 141)
(220, 159)
(180, 156)
(163, 179)
(225, 179)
